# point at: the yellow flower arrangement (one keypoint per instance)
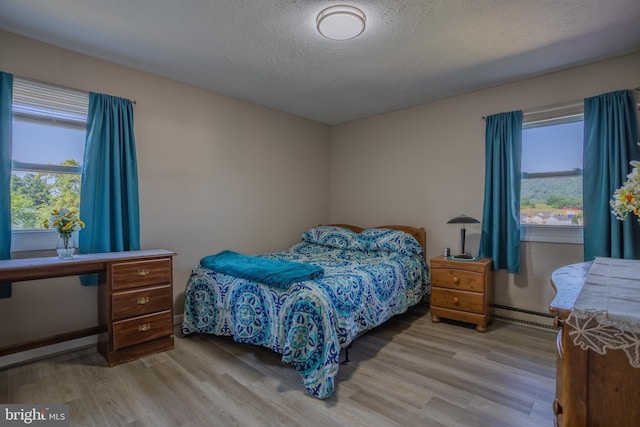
(64, 220)
(626, 199)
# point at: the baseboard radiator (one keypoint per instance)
(522, 316)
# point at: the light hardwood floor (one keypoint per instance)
(408, 372)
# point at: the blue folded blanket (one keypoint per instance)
(273, 272)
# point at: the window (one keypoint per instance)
(551, 186)
(49, 127)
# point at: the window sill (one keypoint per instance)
(570, 234)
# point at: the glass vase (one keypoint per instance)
(66, 246)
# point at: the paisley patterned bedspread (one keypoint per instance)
(310, 322)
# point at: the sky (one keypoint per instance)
(35, 143)
(552, 148)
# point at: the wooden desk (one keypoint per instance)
(135, 303)
(591, 389)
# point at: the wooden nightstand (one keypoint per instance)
(462, 290)
(136, 305)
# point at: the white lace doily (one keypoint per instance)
(606, 314)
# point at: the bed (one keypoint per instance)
(368, 276)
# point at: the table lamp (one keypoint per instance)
(463, 219)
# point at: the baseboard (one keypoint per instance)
(177, 319)
(46, 351)
(522, 316)
(53, 349)
(504, 313)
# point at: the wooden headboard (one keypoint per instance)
(418, 233)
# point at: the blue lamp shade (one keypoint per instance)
(463, 219)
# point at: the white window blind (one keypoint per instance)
(44, 102)
(553, 115)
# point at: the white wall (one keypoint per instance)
(425, 165)
(214, 173)
(220, 173)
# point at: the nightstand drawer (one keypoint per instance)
(140, 301)
(141, 329)
(458, 300)
(129, 275)
(458, 279)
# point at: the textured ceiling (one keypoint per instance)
(268, 51)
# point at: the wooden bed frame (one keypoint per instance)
(418, 233)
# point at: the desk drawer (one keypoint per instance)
(458, 279)
(140, 301)
(141, 329)
(458, 300)
(135, 274)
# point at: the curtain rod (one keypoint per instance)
(560, 106)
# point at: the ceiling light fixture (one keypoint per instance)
(341, 22)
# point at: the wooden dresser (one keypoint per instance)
(591, 389)
(136, 305)
(462, 290)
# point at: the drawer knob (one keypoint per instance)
(456, 300)
(456, 279)
(144, 327)
(557, 407)
(142, 300)
(142, 272)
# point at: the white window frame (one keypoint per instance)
(568, 234)
(45, 239)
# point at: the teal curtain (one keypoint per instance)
(109, 189)
(500, 237)
(6, 131)
(610, 143)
